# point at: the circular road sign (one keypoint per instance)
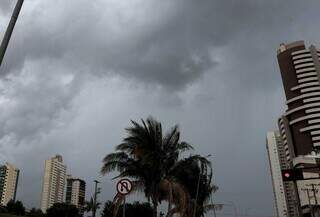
(124, 186)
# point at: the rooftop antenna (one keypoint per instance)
(7, 35)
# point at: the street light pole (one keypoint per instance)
(94, 208)
(234, 207)
(197, 192)
(7, 35)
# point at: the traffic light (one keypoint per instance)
(292, 175)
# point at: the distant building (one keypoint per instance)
(53, 182)
(9, 176)
(76, 192)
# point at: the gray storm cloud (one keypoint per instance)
(166, 43)
(5, 6)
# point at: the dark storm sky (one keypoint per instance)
(77, 71)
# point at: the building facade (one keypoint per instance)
(273, 138)
(76, 192)
(298, 140)
(9, 176)
(53, 182)
(285, 195)
(300, 71)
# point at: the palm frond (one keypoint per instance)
(125, 147)
(138, 185)
(115, 161)
(184, 146)
(117, 156)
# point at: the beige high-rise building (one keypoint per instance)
(76, 192)
(53, 182)
(9, 176)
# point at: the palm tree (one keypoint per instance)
(198, 181)
(149, 158)
(90, 206)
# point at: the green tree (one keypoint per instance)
(35, 213)
(3, 209)
(150, 158)
(135, 209)
(62, 210)
(90, 206)
(16, 207)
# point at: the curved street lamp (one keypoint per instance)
(7, 35)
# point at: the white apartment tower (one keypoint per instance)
(53, 182)
(273, 138)
(9, 176)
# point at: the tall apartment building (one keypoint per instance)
(9, 176)
(53, 182)
(300, 71)
(76, 192)
(298, 140)
(273, 140)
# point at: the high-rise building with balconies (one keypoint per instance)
(298, 141)
(9, 176)
(300, 71)
(53, 182)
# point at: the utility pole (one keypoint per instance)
(309, 200)
(197, 192)
(314, 194)
(234, 208)
(96, 192)
(7, 35)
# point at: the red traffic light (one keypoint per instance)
(292, 175)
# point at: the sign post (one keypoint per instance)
(124, 187)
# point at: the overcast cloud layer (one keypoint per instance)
(77, 71)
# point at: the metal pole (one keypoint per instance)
(124, 207)
(310, 207)
(197, 193)
(297, 197)
(94, 208)
(195, 202)
(234, 208)
(314, 194)
(214, 212)
(7, 35)
(315, 198)
(212, 201)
